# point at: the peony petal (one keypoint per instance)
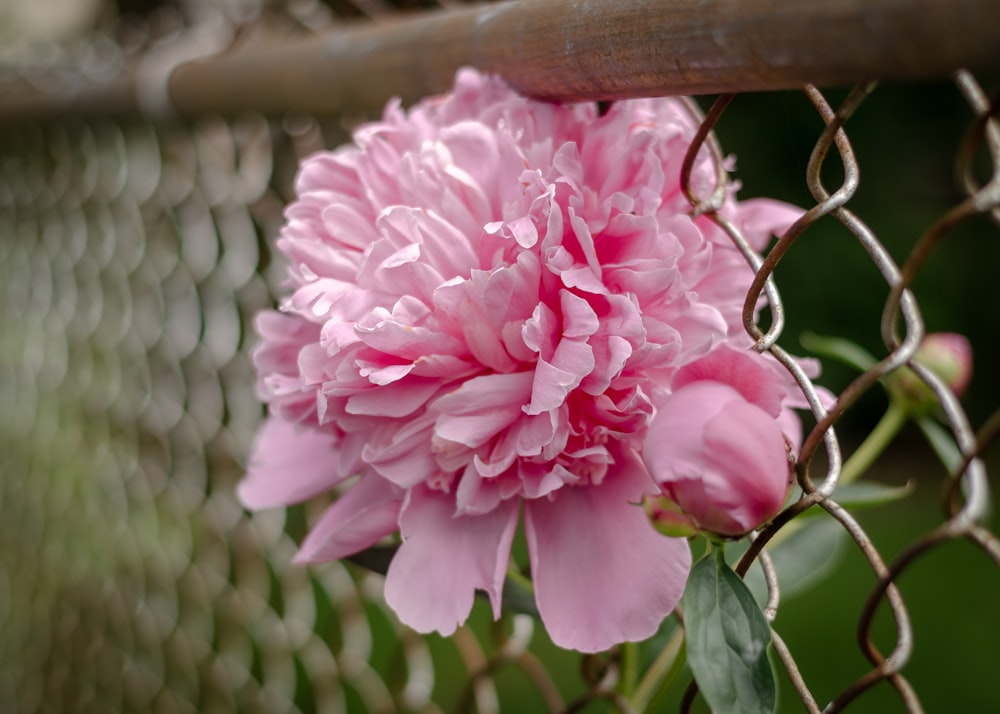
(443, 367)
(298, 243)
(550, 387)
(443, 559)
(399, 268)
(486, 393)
(578, 317)
(288, 463)
(398, 399)
(361, 517)
(476, 495)
(474, 430)
(347, 225)
(610, 357)
(541, 481)
(602, 574)
(539, 331)
(761, 218)
(473, 146)
(791, 427)
(571, 362)
(377, 373)
(701, 326)
(511, 293)
(441, 244)
(473, 307)
(481, 407)
(747, 372)
(330, 171)
(747, 445)
(399, 451)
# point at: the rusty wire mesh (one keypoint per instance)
(133, 255)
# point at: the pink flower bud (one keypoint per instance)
(668, 518)
(722, 459)
(949, 356)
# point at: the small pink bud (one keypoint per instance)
(668, 518)
(720, 458)
(949, 356)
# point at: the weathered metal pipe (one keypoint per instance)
(587, 49)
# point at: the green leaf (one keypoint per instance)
(942, 441)
(842, 350)
(727, 640)
(803, 559)
(862, 494)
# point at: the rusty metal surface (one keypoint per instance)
(550, 49)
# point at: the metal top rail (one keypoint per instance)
(550, 49)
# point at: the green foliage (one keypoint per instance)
(727, 640)
(802, 560)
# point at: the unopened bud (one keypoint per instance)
(668, 518)
(946, 354)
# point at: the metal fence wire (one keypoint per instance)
(134, 251)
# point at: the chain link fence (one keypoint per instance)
(133, 255)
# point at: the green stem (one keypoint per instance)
(661, 673)
(629, 668)
(658, 703)
(872, 447)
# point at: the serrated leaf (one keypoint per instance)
(727, 640)
(839, 349)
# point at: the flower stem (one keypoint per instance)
(629, 667)
(884, 432)
(661, 673)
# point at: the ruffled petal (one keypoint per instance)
(394, 400)
(748, 373)
(398, 451)
(481, 407)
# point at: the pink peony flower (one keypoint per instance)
(488, 295)
(716, 445)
